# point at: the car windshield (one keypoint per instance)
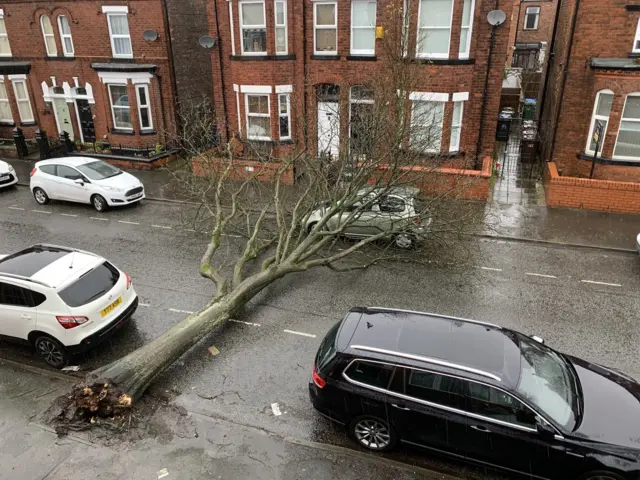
(98, 170)
(548, 382)
(327, 348)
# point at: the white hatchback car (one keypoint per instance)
(8, 175)
(62, 301)
(84, 180)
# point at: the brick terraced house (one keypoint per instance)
(281, 62)
(593, 87)
(94, 69)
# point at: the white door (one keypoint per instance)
(17, 316)
(63, 116)
(328, 128)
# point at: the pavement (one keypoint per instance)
(525, 221)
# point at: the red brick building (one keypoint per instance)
(97, 70)
(594, 85)
(295, 72)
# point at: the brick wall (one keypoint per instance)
(304, 72)
(545, 22)
(91, 43)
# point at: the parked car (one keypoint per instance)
(8, 175)
(84, 180)
(394, 210)
(638, 243)
(478, 392)
(62, 301)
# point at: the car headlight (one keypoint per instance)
(11, 169)
(114, 189)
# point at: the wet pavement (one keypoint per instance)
(582, 301)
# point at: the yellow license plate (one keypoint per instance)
(111, 307)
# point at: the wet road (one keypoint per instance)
(585, 302)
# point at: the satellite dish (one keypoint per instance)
(150, 35)
(496, 18)
(207, 42)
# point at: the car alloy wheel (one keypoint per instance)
(404, 240)
(40, 196)
(51, 351)
(372, 434)
(99, 203)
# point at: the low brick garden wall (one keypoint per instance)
(246, 169)
(587, 194)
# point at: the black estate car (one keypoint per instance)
(477, 392)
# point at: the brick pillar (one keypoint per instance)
(456, 28)
(133, 106)
(15, 113)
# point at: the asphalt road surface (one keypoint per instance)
(582, 301)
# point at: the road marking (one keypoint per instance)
(16, 208)
(189, 230)
(161, 226)
(41, 211)
(246, 323)
(300, 333)
(601, 283)
(275, 408)
(232, 236)
(128, 223)
(540, 275)
(179, 311)
(68, 215)
(99, 218)
(490, 269)
(144, 304)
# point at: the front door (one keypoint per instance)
(422, 415)
(328, 129)
(63, 116)
(87, 127)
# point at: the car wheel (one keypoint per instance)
(99, 203)
(372, 433)
(600, 475)
(40, 196)
(51, 351)
(404, 241)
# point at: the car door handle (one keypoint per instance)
(480, 428)
(25, 316)
(399, 407)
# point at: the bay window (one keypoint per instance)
(253, 27)
(361, 120)
(427, 115)
(281, 27)
(363, 27)
(600, 116)
(456, 126)
(434, 28)
(466, 28)
(628, 141)
(325, 28)
(258, 116)
(120, 110)
(284, 116)
(22, 99)
(144, 107)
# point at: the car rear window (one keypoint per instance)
(327, 348)
(90, 286)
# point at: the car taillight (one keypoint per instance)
(317, 379)
(417, 220)
(33, 172)
(128, 280)
(71, 321)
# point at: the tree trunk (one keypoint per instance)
(134, 373)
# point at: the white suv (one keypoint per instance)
(62, 301)
(84, 180)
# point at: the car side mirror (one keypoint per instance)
(545, 430)
(79, 181)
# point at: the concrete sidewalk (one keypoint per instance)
(172, 444)
(518, 221)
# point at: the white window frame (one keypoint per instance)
(64, 36)
(252, 27)
(111, 14)
(46, 35)
(145, 87)
(464, 54)
(595, 117)
(427, 27)
(622, 119)
(5, 35)
(281, 26)
(455, 146)
(287, 97)
(317, 27)
(429, 97)
(636, 40)
(526, 16)
(372, 27)
(236, 89)
(256, 92)
(14, 82)
(6, 100)
(113, 107)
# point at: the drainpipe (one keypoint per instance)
(222, 86)
(162, 107)
(172, 71)
(515, 41)
(574, 21)
(305, 122)
(550, 62)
